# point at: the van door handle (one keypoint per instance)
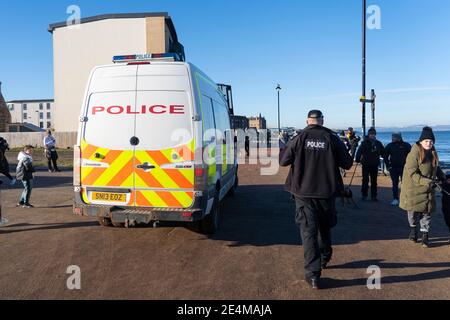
(145, 166)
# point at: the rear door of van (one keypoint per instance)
(107, 165)
(137, 143)
(164, 157)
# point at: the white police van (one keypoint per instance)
(155, 143)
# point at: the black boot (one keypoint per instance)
(313, 282)
(413, 234)
(425, 242)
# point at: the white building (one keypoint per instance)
(95, 41)
(36, 112)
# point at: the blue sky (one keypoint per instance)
(312, 48)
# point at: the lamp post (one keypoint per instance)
(363, 98)
(278, 88)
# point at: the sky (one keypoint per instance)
(311, 48)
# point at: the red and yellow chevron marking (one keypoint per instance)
(164, 199)
(122, 172)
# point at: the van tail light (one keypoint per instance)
(77, 166)
(199, 172)
(200, 176)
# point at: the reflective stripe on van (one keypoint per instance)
(167, 183)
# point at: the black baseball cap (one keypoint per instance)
(315, 114)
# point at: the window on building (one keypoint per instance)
(48, 106)
(24, 107)
(41, 115)
(49, 116)
(49, 125)
(11, 107)
(41, 106)
(41, 125)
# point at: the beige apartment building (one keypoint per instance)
(36, 112)
(95, 41)
(258, 123)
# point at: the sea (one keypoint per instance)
(442, 143)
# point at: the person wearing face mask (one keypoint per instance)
(368, 155)
(420, 177)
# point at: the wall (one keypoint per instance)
(18, 140)
(156, 35)
(77, 51)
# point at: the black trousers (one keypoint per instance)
(52, 160)
(372, 173)
(315, 218)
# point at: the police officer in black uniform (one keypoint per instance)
(315, 157)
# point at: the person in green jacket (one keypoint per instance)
(420, 178)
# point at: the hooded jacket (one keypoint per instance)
(369, 153)
(25, 169)
(417, 193)
(396, 153)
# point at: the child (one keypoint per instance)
(24, 173)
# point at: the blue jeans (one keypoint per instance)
(396, 175)
(26, 193)
(422, 219)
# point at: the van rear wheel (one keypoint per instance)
(104, 221)
(210, 224)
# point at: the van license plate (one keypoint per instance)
(106, 196)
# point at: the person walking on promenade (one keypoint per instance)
(4, 165)
(345, 140)
(50, 152)
(420, 178)
(315, 156)
(368, 155)
(353, 141)
(24, 172)
(247, 146)
(396, 153)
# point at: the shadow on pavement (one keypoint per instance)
(57, 207)
(328, 283)
(41, 182)
(55, 226)
(258, 215)
(263, 215)
(364, 264)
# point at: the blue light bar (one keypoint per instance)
(147, 57)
